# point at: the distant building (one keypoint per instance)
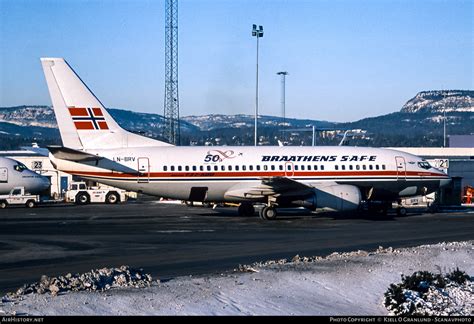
(42, 165)
(461, 140)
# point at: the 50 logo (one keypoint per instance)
(219, 156)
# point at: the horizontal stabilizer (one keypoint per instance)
(65, 153)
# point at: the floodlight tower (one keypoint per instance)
(257, 32)
(283, 75)
(171, 102)
(444, 120)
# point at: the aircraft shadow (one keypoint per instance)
(295, 214)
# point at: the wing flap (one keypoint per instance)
(268, 187)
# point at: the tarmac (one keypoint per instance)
(169, 240)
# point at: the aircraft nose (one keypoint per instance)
(45, 184)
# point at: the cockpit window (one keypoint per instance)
(19, 167)
(424, 165)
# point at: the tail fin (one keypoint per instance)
(82, 119)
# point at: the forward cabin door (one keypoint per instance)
(3, 175)
(401, 168)
(143, 170)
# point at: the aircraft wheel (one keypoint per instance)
(246, 209)
(3, 204)
(82, 198)
(401, 211)
(30, 204)
(268, 213)
(112, 198)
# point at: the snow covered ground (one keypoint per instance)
(338, 284)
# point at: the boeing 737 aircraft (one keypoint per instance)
(16, 174)
(95, 147)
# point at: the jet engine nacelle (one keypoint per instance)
(334, 197)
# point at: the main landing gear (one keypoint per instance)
(268, 213)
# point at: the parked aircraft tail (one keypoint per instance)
(83, 121)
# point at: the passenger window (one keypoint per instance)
(371, 167)
(296, 168)
(377, 167)
(194, 168)
(251, 167)
(258, 167)
(216, 168)
(230, 167)
(208, 168)
(273, 167)
(343, 167)
(16, 192)
(165, 168)
(180, 168)
(265, 167)
(172, 168)
(302, 168)
(186, 168)
(315, 168)
(336, 167)
(383, 166)
(201, 168)
(357, 167)
(244, 167)
(322, 167)
(236, 168)
(364, 167)
(222, 167)
(280, 167)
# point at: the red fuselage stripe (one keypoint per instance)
(191, 174)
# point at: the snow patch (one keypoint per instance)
(350, 283)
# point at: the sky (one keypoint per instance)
(346, 60)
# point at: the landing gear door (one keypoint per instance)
(143, 170)
(401, 168)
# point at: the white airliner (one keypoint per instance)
(338, 178)
(16, 174)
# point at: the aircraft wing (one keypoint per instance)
(284, 184)
(269, 186)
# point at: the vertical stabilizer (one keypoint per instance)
(83, 121)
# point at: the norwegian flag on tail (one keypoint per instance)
(88, 118)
